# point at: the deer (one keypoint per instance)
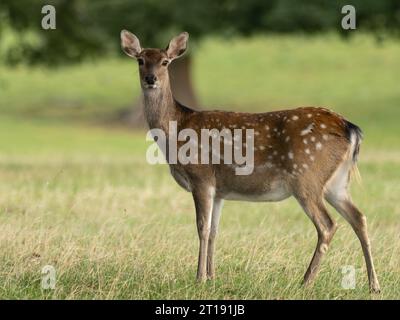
(307, 152)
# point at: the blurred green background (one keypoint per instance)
(76, 191)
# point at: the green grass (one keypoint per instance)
(83, 198)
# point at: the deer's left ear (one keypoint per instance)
(177, 46)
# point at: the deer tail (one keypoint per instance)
(354, 135)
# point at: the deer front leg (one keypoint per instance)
(216, 214)
(203, 200)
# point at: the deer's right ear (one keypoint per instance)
(130, 44)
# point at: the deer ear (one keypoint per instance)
(177, 46)
(130, 44)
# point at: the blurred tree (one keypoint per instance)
(91, 28)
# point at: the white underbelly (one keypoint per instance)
(276, 194)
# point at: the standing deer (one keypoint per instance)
(308, 153)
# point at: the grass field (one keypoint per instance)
(82, 197)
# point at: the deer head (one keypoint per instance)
(153, 63)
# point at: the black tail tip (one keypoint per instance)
(352, 129)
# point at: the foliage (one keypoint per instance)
(91, 28)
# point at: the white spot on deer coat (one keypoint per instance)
(290, 155)
(318, 146)
(307, 130)
(294, 118)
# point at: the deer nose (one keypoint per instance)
(150, 78)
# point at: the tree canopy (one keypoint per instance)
(91, 28)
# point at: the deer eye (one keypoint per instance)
(140, 61)
(165, 62)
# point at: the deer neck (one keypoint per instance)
(160, 107)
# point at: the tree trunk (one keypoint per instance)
(181, 86)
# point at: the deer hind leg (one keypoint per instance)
(343, 204)
(203, 200)
(337, 195)
(216, 214)
(326, 228)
